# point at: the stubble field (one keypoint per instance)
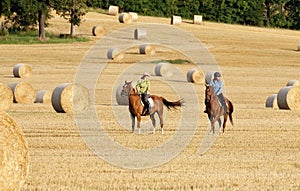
(260, 152)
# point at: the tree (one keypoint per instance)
(293, 14)
(71, 10)
(26, 14)
(43, 11)
(275, 13)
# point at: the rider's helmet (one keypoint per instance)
(146, 74)
(217, 74)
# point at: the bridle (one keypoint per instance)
(207, 96)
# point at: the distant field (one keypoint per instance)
(261, 152)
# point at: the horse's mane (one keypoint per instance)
(212, 91)
(134, 90)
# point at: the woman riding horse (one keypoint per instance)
(136, 108)
(143, 89)
(217, 83)
(213, 95)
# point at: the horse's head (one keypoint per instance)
(127, 87)
(207, 92)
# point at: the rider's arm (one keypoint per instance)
(220, 87)
(148, 86)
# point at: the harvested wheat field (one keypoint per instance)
(260, 152)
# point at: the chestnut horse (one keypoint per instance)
(136, 107)
(215, 111)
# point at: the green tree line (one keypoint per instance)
(270, 13)
(26, 14)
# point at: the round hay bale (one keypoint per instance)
(299, 46)
(293, 83)
(289, 98)
(13, 154)
(113, 54)
(125, 18)
(134, 16)
(195, 76)
(98, 31)
(197, 19)
(22, 70)
(176, 20)
(272, 101)
(163, 69)
(140, 33)
(147, 49)
(6, 97)
(23, 92)
(113, 10)
(43, 96)
(122, 100)
(209, 76)
(70, 98)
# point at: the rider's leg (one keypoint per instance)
(206, 102)
(146, 104)
(222, 100)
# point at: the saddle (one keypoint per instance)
(222, 106)
(150, 101)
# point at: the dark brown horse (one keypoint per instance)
(136, 107)
(215, 111)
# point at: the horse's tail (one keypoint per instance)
(172, 105)
(230, 111)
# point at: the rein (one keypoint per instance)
(132, 91)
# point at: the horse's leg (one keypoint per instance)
(220, 124)
(139, 118)
(220, 120)
(132, 122)
(212, 124)
(224, 123)
(153, 121)
(161, 119)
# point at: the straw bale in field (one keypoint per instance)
(176, 20)
(22, 70)
(70, 98)
(23, 92)
(134, 16)
(197, 19)
(293, 83)
(147, 49)
(114, 54)
(6, 97)
(113, 10)
(140, 33)
(163, 69)
(272, 101)
(209, 76)
(13, 154)
(125, 18)
(289, 98)
(43, 96)
(194, 75)
(98, 31)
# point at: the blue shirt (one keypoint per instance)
(218, 86)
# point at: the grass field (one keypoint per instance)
(260, 152)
